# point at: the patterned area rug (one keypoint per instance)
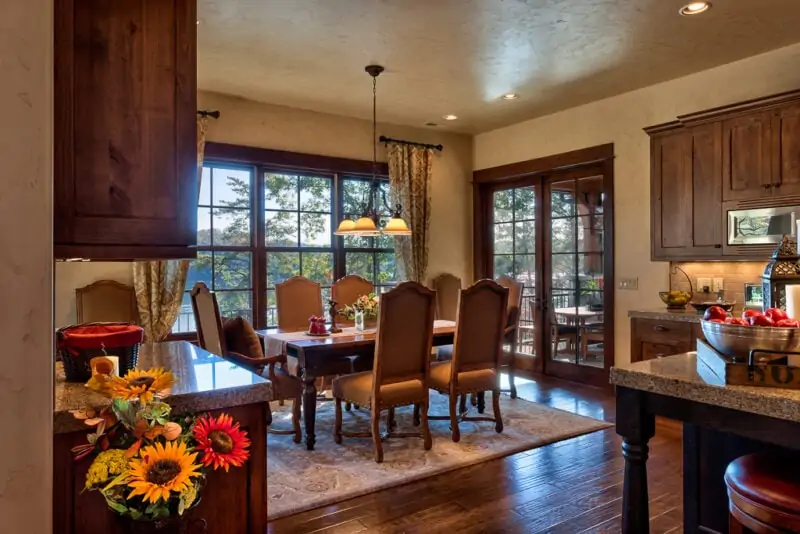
(299, 480)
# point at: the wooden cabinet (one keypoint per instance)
(125, 129)
(736, 157)
(686, 193)
(746, 160)
(651, 338)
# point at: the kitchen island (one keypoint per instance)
(720, 423)
(231, 502)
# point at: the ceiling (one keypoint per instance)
(459, 56)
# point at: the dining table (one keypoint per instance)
(319, 356)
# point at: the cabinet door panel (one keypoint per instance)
(651, 351)
(673, 160)
(747, 171)
(786, 150)
(707, 221)
(125, 101)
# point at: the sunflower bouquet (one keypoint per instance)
(366, 304)
(148, 463)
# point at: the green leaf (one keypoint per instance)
(116, 506)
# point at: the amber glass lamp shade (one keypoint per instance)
(346, 227)
(396, 226)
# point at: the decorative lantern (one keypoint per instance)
(781, 271)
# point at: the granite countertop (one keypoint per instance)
(204, 382)
(689, 315)
(683, 376)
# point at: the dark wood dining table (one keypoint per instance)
(319, 356)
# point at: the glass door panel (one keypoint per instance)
(575, 267)
(514, 252)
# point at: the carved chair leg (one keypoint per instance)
(473, 399)
(462, 404)
(426, 431)
(498, 419)
(298, 432)
(481, 402)
(280, 402)
(337, 422)
(454, 417)
(416, 414)
(375, 417)
(390, 422)
(269, 415)
(348, 406)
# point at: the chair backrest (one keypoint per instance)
(207, 319)
(448, 288)
(479, 330)
(106, 301)
(346, 290)
(514, 305)
(298, 298)
(405, 335)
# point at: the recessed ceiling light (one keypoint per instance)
(449, 117)
(510, 96)
(695, 8)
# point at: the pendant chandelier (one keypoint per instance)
(369, 223)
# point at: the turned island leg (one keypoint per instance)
(636, 427)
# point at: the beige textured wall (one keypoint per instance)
(734, 274)
(26, 268)
(620, 120)
(249, 123)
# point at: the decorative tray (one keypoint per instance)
(763, 368)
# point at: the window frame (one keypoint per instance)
(260, 162)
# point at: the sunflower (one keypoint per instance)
(139, 384)
(162, 469)
(223, 443)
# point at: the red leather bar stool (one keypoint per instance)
(764, 494)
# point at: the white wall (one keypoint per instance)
(26, 267)
(72, 275)
(620, 120)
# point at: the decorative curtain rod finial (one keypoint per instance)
(208, 113)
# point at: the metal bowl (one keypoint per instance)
(701, 307)
(737, 341)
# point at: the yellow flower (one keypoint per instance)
(162, 469)
(136, 384)
(108, 464)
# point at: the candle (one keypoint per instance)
(108, 365)
(793, 311)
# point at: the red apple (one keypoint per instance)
(736, 321)
(761, 320)
(750, 313)
(715, 312)
(788, 323)
(776, 314)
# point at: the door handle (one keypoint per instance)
(659, 328)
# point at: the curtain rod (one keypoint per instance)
(384, 139)
(208, 113)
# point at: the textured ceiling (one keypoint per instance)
(460, 56)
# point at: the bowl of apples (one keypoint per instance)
(735, 337)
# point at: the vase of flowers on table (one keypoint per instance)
(148, 464)
(363, 311)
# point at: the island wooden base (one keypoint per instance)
(233, 502)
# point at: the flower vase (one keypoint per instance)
(359, 320)
(168, 525)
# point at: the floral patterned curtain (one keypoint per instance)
(410, 179)
(160, 284)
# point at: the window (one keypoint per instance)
(259, 225)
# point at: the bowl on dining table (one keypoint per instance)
(736, 341)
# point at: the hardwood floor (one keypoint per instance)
(567, 487)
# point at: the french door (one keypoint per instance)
(553, 233)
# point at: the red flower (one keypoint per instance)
(221, 441)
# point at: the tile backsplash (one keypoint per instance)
(734, 274)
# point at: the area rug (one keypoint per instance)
(299, 480)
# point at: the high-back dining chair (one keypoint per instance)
(402, 364)
(346, 290)
(512, 326)
(298, 298)
(237, 342)
(477, 350)
(106, 301)
(448, 288)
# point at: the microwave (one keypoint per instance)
(761, 226)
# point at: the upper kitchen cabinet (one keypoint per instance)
(785, 150)
(686, 192)
(746, 156)
(125, 129)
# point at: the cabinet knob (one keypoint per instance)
(767, 186)
(659, 328)
(777, 186)
(717, 246)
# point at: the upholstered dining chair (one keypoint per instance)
(448, 288)
(477, 351)
(298, 298)
(237, 342)
(559, 331)
(106, 301)
(346, 290)
(399, 376)
(512, 327)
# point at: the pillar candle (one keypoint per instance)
(793, 311)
